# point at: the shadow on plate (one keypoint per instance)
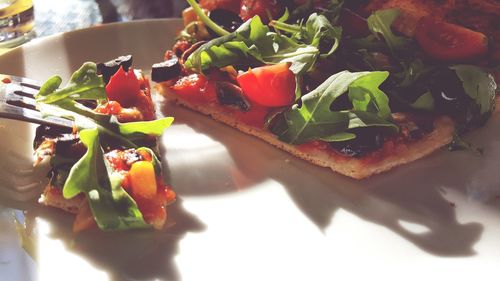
(416, 194)
(127, 255)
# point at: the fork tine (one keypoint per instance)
(25, 83)
(17, 102)
(25, 114)
(28, 103)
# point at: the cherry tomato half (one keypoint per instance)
(123, 87)
(269, 86)
(449, 42)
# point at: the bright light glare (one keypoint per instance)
(57, 263)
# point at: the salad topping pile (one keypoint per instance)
(106, 166)
(318, 72)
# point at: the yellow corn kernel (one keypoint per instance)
(143, 179)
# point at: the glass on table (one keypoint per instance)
(16, 22)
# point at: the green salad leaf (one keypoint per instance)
(424, 102)
(380, 23)
(478, 85)
(330, 9)
(253, 42)
(112, 207)
(85, 84)
(314, 119)
(317, 29)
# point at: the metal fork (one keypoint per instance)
(17, 102)
(19, 181)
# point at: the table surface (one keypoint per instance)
(56, 16)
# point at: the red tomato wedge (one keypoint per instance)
(269, 86)
(263, 8)
(123, 87)
(449, 42)
(195, 88)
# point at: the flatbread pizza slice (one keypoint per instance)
(105, 169)
(358, 103)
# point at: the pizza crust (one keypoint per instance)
(52, 197)
(357, 168)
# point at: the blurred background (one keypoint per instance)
(54, 16)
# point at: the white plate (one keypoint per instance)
(248, 211)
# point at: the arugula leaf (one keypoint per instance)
(154, 127)
(317, 29)
(478, 85)
(285, 16)
(343, 136)
(83, 84)
(112, 207)
(458, 144)
(315, 120)
(253, 41)
(366, 96)
(380, 23)
(330, 9)
(424, 102)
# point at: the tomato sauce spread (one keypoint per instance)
(153, 209)
(412, 128)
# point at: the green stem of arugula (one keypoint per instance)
(291, 55)
(291, 28)
(206, 20)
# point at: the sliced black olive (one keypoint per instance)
(367, 140)
(166, 70)
(225, 19)
(49, 131)
(449, 95)
(70, 146)
(230, 94)
(109, 68)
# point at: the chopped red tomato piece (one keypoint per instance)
(111, 107)
(195, 88)
(269, 86)
(123, 87)
(256, 116)
(449, 42)
(145, 106)
(265, 9)
(231, 5)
